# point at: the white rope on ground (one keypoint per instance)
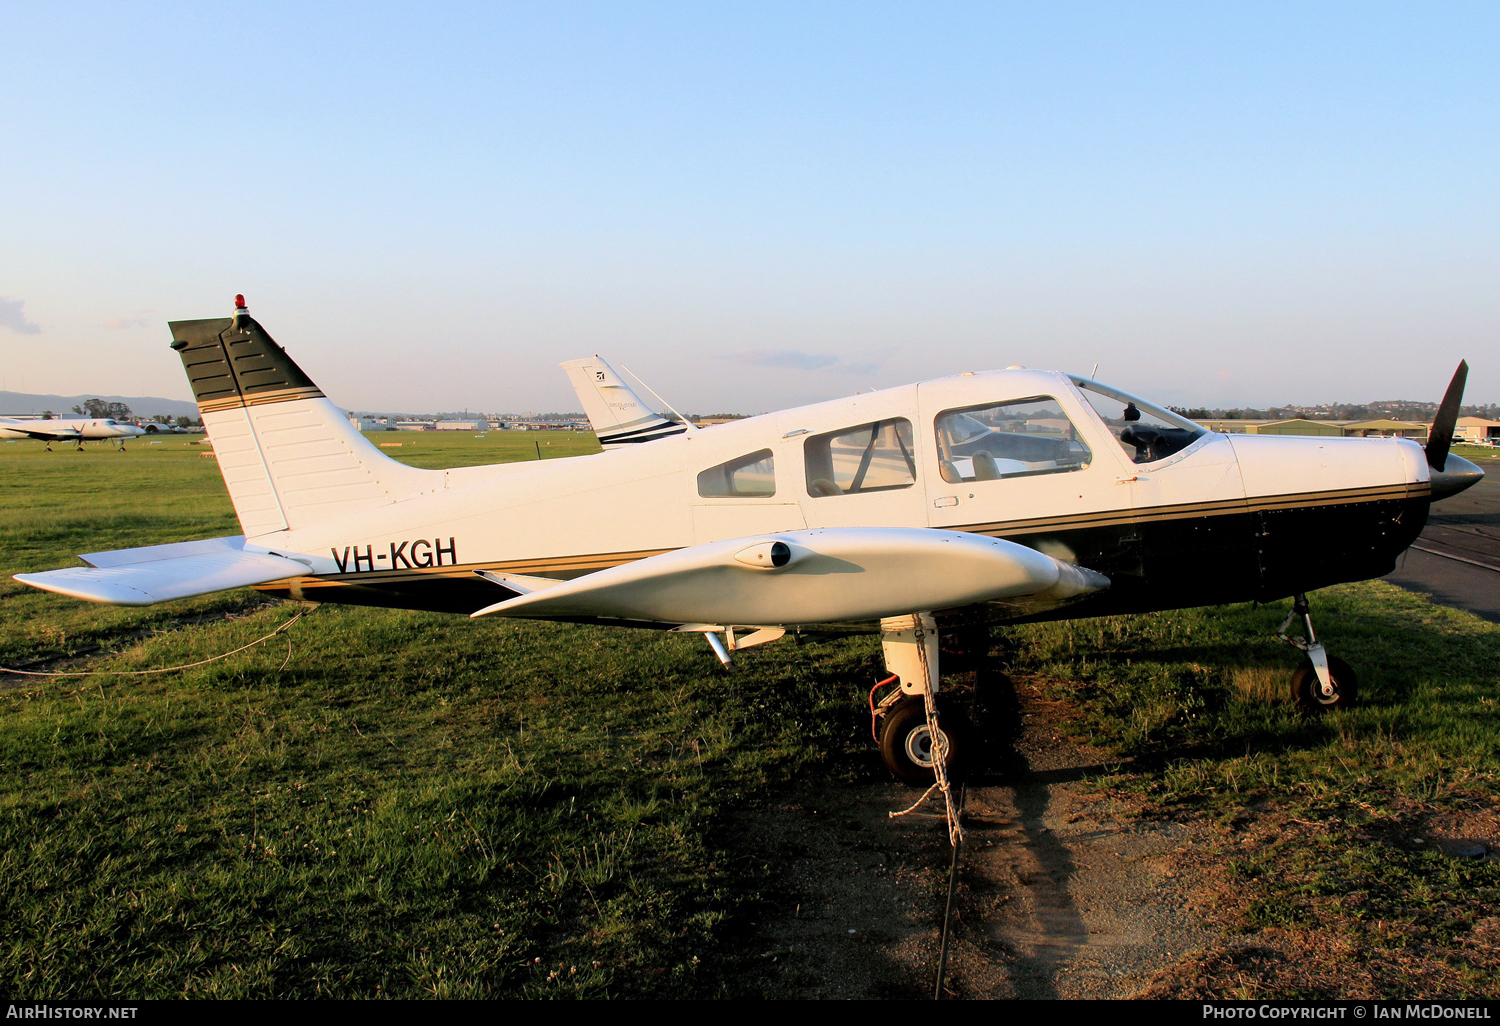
(166, 669)
(914, 805)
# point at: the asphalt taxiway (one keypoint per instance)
(1457, 558)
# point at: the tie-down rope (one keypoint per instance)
(167, 669)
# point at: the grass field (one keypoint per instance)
(423, 805)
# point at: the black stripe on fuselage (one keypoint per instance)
(1164, 558)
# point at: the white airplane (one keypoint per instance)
(615, 412)
(71, 429)
(992, 497)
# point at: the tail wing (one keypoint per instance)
(616, 413)
(290, 458)
(158, 573)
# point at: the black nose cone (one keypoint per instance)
(1456, 475)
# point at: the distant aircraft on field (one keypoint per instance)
(70, 429)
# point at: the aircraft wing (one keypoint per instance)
(30, 430)
(158, 573)
(833, 575)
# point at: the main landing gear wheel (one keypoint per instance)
(907, 745)
(1308, 691)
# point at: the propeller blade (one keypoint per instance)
(1440, 439)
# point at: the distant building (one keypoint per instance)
(461, 425)
(1477, 429)
(1386, 429)
(413, 425)
(1324, 428)
(1233, 427)
(1300, 426)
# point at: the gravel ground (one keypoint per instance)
(1064, 890)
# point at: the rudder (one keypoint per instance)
(289, 457)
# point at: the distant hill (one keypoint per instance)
(62, 405)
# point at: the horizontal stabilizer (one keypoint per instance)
(831, 575)
(159, 573)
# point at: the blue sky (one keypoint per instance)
(756, 205)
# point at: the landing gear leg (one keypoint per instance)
(1323, 681)
(914, 747)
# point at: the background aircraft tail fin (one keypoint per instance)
(616, 413)
(290, 458)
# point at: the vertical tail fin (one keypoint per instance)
(290, 458)
(616, 413)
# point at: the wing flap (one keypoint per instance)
(151, 553)
(144, 582)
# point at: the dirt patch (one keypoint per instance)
(1065, 889)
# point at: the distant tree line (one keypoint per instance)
(1399, 409)
(101, 410)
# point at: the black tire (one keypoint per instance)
(1307, 691)
(906, 743)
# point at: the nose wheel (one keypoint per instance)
(1323, 682)
(1312, 694)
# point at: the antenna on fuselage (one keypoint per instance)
(1094, 374)
(690, 425)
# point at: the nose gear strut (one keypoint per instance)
(1323, 681)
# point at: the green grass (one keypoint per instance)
(1345, 812)
(417, 805)
(424, 805)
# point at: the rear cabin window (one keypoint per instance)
(752, 476)
(1028, 436)
(869, 458)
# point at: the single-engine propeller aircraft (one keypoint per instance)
(71, 429)
(991, 497)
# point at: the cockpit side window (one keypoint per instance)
(870, 458)
(1146, 432)
(1026, 436)
(752, 476)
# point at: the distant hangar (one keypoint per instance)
(1468, 429)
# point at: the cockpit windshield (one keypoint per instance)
(1145, 431)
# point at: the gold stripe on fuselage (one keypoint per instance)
(1190, 510)
(578, 565)
(570, 566)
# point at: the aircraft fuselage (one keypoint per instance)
(1223, 519)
